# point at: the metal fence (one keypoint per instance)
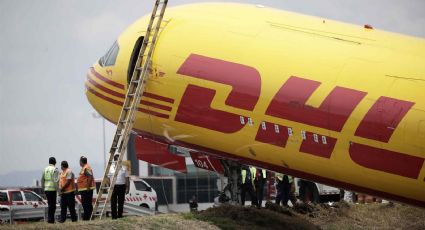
(41, 213)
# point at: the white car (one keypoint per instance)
(22, 199)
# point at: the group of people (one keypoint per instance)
(253, 181)
(62, 183)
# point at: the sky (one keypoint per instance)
(46, 47)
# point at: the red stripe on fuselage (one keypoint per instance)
(122, 96)
(153, 113)
(113, 101)
(385, 160)
(289, 104)
(158, 97)
(104, 89)
(106, 80)
(121, 103)
(158, 106)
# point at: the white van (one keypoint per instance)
(140, 194)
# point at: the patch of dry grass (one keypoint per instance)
(165, 221)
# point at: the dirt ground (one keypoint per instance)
(323, 216)
(368, 216)
(164, 221)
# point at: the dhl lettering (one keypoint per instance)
(317, 147)
(272, 135)
(245, 80)
(383, 118)
(386, 161)
(195, 107)
(289, 104)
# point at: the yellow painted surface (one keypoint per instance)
(280, 44)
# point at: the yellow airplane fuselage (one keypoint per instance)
(318, 99)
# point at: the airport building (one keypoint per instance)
(174, 187)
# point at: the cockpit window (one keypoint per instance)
(110, 57)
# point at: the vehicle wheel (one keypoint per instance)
(144, 206)
(308, 192)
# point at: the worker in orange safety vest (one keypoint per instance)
(86, 185)
(67, 192)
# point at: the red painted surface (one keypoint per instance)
(106, 80)
(245, 80)
(157, 153)
(290, 171)
(158, 97)
(119, 103)
(147, 111)
(158, 106)
(386, 161)
(289, 104)
(310, 146)
(270, 136)
(108, 99)
(207, 162)
(195, 109)
(122, 96)
(104, 89)
(383, 118)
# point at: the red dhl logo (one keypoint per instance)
(378, 124)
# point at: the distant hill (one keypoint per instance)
(20, 178)
(28, 178)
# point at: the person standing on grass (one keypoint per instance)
(49, 184)
(121, 187)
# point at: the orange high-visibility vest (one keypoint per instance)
(83, 180)
(71, 185)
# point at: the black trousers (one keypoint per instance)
(118, 196)
(68, 202)
(248, 188)
(259, 189)
(86, 201)
(283, 190)
(51, 201)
